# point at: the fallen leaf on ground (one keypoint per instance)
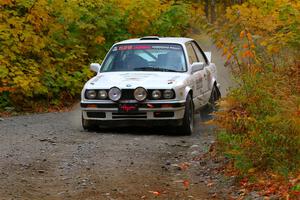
(210, 184)
(186, 183)
(156, 193)
(184, 166)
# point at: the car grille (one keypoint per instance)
(140, 115)
(127, 94)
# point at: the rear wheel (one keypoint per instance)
(214, 97)
(206, 111)
(88, 125)
(187, 127)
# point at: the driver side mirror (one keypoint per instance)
(197, 66)
(95, 67)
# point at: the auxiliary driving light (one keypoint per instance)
(114, 94)
(140, 94)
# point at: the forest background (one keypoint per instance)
(46, 46)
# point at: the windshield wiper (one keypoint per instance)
(154, 69)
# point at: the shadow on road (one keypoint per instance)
(200, 119)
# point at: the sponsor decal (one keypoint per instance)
(133, 47)
(144, 47)
(167, 47)
(128, 108)
(141, 47)
(132, 79)
(136, 76)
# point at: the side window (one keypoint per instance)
(198, 53)
(191, 53)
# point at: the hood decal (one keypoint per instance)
(135, 76)
(136, 79)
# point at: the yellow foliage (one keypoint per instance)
(99, 39)
(5, 2)
(46, 44)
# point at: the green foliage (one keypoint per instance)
(45, 45)
(4, 100)
(296, 188)
(173, 22)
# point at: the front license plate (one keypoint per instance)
(128, 108)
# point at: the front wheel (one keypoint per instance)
(187, 127)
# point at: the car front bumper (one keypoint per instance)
(147, 111)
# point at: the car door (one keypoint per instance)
(197, 77)
(207, 78)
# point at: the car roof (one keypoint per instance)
(155, 39)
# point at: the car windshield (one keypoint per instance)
(145, 57)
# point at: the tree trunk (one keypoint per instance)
(213, 11)
(206, 6)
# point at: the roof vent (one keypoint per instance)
(150, 38)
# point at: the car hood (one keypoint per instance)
(131, 80)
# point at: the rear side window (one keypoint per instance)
(198, 53)
(191, 53)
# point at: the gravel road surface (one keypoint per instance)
(49, 156)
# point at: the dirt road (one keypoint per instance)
(49, 157)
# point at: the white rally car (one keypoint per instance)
(150, 80)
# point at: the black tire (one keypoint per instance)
(88, 125)
(214, 97)
(187, 127)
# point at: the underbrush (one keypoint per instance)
(259, 120)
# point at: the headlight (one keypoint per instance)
(140, 94)
(168, 94)
(156, 94)
(90, 94)
(114, 94)
(102, 94)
